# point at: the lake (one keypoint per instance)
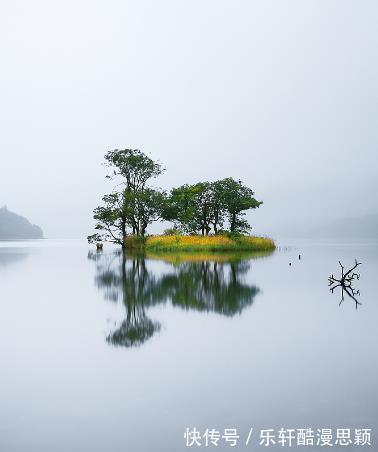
(107, 352)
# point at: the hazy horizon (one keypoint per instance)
(282, 95)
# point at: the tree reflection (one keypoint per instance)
(128, 280)
(205, 285)
(209, 286)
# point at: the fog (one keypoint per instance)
(282, 94)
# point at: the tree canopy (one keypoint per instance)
(203, 207)
(134, 166)
(210, 205)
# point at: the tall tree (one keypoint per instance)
(134, 205)
(134, 167)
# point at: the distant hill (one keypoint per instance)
(364, 227)
(16, 227)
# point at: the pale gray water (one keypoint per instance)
(257, 344)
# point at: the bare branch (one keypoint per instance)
(345, 283)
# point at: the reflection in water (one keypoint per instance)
(208, 285)
(9, 256)
(345, 283)
(128, 280)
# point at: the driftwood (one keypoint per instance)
(345, 282)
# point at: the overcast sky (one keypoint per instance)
(282, 94)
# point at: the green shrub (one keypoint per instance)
(134, 242)
(172, 231)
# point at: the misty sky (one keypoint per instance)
(282, 94)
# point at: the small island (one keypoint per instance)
(206, 216)
(16, 227)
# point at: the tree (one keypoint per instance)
(218, 189)
(126, 209)
(236, 199)
(207, 205)
(134, 166)
(134, 205)
(111, 219)
(149, 206)
(189, 207)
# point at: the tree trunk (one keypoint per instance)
(123, 231)
(137, 228)
(143, 229)
(233, 222)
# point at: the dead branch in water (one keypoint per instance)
(345, 282)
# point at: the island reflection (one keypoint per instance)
(9, 256)
(205, 283)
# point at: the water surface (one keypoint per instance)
(107, 352)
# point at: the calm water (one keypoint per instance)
(102, 352)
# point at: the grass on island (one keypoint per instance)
(213, 243)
